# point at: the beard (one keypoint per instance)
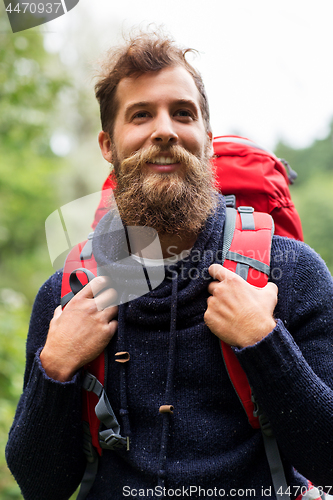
(171, 203)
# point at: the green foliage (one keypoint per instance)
(314, 203)
(14, 315)
(29, 92)
(310, 161)
(312, 192)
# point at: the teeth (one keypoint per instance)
(162, 160)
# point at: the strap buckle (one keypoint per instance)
(230, 200)
(108, 439)
(91, 384)
(245, 210)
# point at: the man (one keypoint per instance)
(156, 133)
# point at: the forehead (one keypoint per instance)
(163, 86)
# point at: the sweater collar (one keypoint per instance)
(129, 277)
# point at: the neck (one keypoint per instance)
(175, 244)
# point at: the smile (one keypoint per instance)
(163, 160)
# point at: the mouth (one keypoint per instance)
(163, 160)
(164, 164)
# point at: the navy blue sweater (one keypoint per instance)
(209, 443)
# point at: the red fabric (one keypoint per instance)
(259, 180)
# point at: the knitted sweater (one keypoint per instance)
(206, 448)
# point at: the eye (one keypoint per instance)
(184, 113)
(139, 115)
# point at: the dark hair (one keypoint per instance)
(141, 54)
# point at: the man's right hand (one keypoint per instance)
(80, 332)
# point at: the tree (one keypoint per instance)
(30, 90)
(312, 192)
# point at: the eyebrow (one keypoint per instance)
(142, 104)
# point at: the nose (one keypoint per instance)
(164, 132)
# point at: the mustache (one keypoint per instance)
(139, 158)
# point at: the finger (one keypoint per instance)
(212, 286)
(94, 286)
(106, 298)
(111, 313)
(113, 325)
(220, 273)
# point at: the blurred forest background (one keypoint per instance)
(40, 101)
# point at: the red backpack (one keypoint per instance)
(255, 185)
(255, 176)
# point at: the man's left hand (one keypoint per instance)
(238, 313)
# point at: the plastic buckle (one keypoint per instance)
(245, 210)
(89, 382)
(255, 406)
(263, 420)
(265, 425)
(114, 441)
(92, 384)
(230, 200)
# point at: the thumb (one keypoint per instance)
(272, 288)
(57, 312)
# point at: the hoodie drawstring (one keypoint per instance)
(123, 412)
(167, 409)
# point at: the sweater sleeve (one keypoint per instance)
(291, 370)
(44, 450)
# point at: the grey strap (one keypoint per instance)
(88, 479)
(272, 453)
(242, 259)
(91, 466)
(66, 298)
(242, 270)
(247, 218)
(110, 437)
(86, 252)
(74, 281)
(228, 230)
(276, 467)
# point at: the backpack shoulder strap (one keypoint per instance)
(80, 268)
(246, 251)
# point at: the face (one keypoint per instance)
(159, 108)
(160, 150)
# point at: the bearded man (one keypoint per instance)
(156, 132)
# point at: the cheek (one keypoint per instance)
(194, 139)
(196, 144)
(130, 141)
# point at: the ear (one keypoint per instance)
(210, 142)
(105, 143)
